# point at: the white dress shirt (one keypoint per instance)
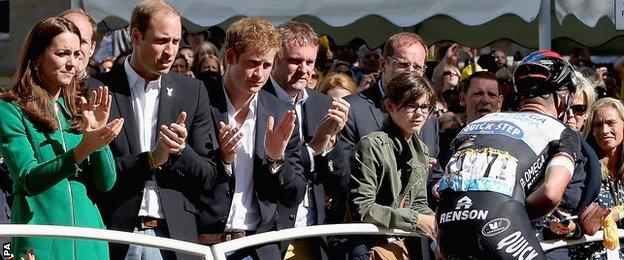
(244, 213)
(145, 100)
(305, 211)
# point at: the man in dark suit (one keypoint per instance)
(320, 120)
(402, 52)
(263, 162)
(163, 153)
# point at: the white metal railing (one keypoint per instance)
(219, 251)
(554, 244)
(20, 230)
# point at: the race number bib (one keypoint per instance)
(483, 169)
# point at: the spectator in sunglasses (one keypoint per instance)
(445, 76)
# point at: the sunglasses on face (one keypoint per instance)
(450, 73)
(578, 110)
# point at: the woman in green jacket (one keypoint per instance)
(389, 166)
(54, 143)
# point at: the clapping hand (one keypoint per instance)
(275, 140)
(171, 140)
(229, 142)
(329, 126)
(96, 133)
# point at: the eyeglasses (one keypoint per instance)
(578, 110)
(405, 65)
(424, 108)
(450, 73)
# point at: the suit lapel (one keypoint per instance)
(312, 116)
(167, 113)
(373, 96)
(263, 112)
(123, 101)
(218, 105)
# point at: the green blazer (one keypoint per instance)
(49, 188)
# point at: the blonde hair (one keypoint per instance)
(252, 32)
(587, 131)
(336, 79)
(297, 33)
(586, 87)
(439, 70)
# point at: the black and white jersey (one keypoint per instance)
(507, 153)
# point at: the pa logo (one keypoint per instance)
(495, 227)
(6, 249)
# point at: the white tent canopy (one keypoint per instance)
(473, 23)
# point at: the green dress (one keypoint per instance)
(49, 188)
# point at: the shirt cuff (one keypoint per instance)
(311, 156)
(274, 167)
(227, 167)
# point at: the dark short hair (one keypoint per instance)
(465, 84)
(408, 87)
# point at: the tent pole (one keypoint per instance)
(545, 33)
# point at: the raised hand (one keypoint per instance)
(367, 81)
(329, 126)
(229, 142)
(97, 109)
(96, 133)
(275, 140)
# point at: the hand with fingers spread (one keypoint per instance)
(230, 142)
(275, 140)
(97, 110)
(96, 133)
(171, 140)
(330, 126)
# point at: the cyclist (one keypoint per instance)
(510, 168)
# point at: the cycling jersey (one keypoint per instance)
(499, 159)
(507, 153)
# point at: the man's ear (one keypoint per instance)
(92, 50)
(462, 99)
(135, 35)
(230, 56)
(382, 64)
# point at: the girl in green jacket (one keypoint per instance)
(54, 143)
(389, 166)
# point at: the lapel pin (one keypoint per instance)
(169, 91)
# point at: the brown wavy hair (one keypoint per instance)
(27, 89)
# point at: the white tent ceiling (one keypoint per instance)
(473, 23)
